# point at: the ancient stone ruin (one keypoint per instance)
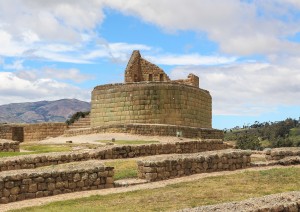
(150, 100)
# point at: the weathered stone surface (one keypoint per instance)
(170, 166)
(52, 180)
(108, 152)
(9, 145)
(31, 132)
(280, 153)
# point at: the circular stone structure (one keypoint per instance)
(169, 103)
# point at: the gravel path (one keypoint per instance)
(159, 184)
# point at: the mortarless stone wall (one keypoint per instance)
(53, 180)
(108, 152)
(172, 166)
(9, 146)
(280, 153)
(31, 132)
(151, 103)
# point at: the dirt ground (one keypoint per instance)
(93, 138)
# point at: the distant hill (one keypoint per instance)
(42, 111)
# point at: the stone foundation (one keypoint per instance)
(48, 181)
(289, 201)
(280, 153)
(165, 167)
(9, 146)
(108, 152)
(152, 130)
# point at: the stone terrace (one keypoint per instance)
(9, 146)
(171, 166)
(108, 152)
(52, 180)
(280, 153)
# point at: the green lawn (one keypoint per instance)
(123, 168)
(134, 142)
(211, 190)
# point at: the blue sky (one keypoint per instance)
(246, 53)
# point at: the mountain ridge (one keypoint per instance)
(41, 111)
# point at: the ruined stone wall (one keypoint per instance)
(165, 167)
(31, 132)
(152, 72)
(280, 153)
(192, 80)
(108, 152)
(151, 103)
(5, 132)
(36, 132)
(151, 130)
(35, 183)
(9, 146)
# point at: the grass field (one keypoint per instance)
(206, 191)
(123, 168)
(131, 142)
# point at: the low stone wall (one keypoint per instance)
(289, 201)
(108, 152)
(279, 153)
(9, 146)
(152, 130)
(5, 132)
(31, 132)
(47, 181)
(165, 167)
(37, 132)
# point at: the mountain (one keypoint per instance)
(42, 111)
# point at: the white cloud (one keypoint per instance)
(16, 89)
(189, 59)
(240, 27)
(247, 89)
(72, 74)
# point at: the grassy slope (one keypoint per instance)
(206, 191)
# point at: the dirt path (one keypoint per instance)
(160, 184)
(93, 138)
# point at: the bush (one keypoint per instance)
(77, 116)
(246, 141)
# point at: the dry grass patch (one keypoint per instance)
(205, 191)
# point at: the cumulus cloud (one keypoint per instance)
(71, 74)
(189, 59)
(17, 89)
(239, 27)
(248, 88)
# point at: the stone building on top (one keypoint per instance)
(150, 103)
(140, 70)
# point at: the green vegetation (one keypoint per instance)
(134, 142)
(123, 168)
(77, 116)
(268, 134)
(37, 149)
(211, 190)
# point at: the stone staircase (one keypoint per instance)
(81, 123)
